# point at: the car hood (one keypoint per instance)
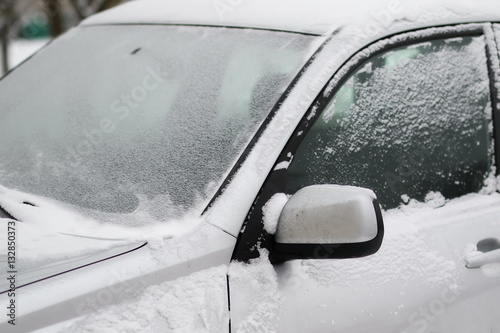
(40, 255)
(50, 238)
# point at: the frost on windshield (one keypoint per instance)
(408, 122)
(140, 129)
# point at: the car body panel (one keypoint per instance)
(319, 17)
(29, 274)
(417, 282)
(422, 286)
(421, 264)
(87, 290)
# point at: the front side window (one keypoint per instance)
(407, 122)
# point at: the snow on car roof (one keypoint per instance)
(319, 17)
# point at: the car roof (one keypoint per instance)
(316, 17)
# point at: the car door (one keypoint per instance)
(410, 117)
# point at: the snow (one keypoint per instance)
(255, 296)
(192, 304)
(42, 246)
(241, 191)
(272, 210)
(195, 303)
(20, 50)
(435, 199)
(494, 38)
(398, 39)
(491, 182)
(405, 198)
(379, 124)
(491, 270)
(492, 35)
(52, 216)
(316, 16)
(48, 231)
(174, 304)
(152, 158)
(282, 165)
(406, 253)
(246, 183)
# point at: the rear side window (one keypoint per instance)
(407, 122)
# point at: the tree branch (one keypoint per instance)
(7, 17)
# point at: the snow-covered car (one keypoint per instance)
(256, 166)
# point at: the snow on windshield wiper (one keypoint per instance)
(100, 238)
(51, 216)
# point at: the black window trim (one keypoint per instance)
(492, 51)
(253, 235)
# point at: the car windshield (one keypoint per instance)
(135, 124)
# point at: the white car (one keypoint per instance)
(256, 166)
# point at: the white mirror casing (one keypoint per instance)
(329, 221)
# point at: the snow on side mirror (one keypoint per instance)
(329, 222)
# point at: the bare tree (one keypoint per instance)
(53, 10)
(85, 8)
(7, 16)
(12, 17)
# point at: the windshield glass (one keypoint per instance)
(137, 124)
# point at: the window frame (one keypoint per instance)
(491, 51)
(253, 235)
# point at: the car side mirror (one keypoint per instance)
(329, 222)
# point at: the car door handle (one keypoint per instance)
(483, 259)
(489, 252)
